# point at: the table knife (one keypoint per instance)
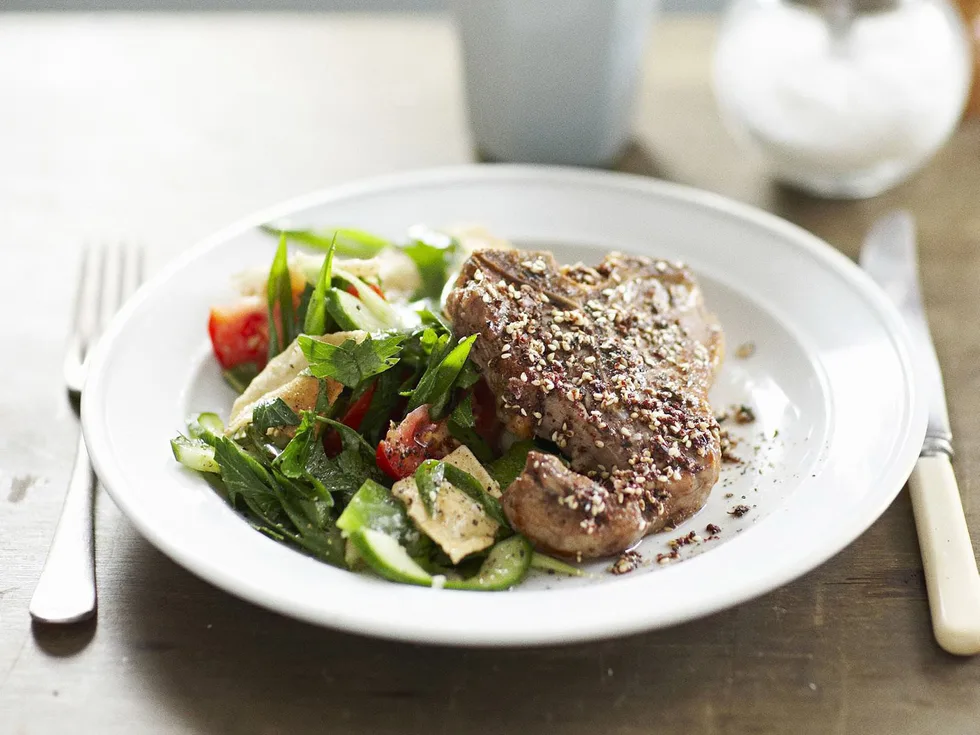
(952, 580)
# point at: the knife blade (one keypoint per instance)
(948, 562)
(889, 256)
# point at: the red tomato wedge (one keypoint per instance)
(353, 417)
(358, 410)
(240, 333)
(414, 440)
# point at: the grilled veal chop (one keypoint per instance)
(612, 364)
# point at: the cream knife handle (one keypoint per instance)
(950, 566)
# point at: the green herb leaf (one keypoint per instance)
(471, 486)
(461, 423)
(272, 414)
(432, 318)
(240, 376)
(436, 385)
(279, 292)
(302, 308)
(346, 472)
(554, 566)
(316, 314)
(292, 461)
(302, 458)
(347, 241)
(433, 253)
(352, 362)
(428, 479)
(316, 531)
(245, 478)
(467, 376)
(462, 415)
(326, 544)
(384, 401)
(506, 469)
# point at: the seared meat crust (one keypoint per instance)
(613, 364)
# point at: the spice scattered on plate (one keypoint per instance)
(664, 558)
(743, 414)
(627, 562)
(738, 511)
(691, 538)
(745, 350)
(728, 444)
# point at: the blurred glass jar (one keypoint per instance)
(842, 98)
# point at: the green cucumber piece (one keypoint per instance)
(505, 566)
(202, 424)
(195, 454)
(550, 564)
(350, 313)
(377, 305)
(389, 558)
(374, 507)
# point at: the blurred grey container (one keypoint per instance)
(552, 81)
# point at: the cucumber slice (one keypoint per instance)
(373, 507)
(388, 558)
(195, 454)
(202, 424)
(505, 566)
(350, 314)
(377, 305)
(550, 564)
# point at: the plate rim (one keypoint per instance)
(894, 476)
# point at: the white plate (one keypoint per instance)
(831, 374)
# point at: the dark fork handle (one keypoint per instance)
(65, 592)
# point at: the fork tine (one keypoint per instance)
(98, 313)
(76, 321)
(139, 268)
(122, 260)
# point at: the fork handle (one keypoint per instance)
(947, 555)
(65, 592)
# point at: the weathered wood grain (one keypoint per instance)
(161, 129)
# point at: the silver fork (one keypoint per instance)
(65, 592)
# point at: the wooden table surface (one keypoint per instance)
(160, 129)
